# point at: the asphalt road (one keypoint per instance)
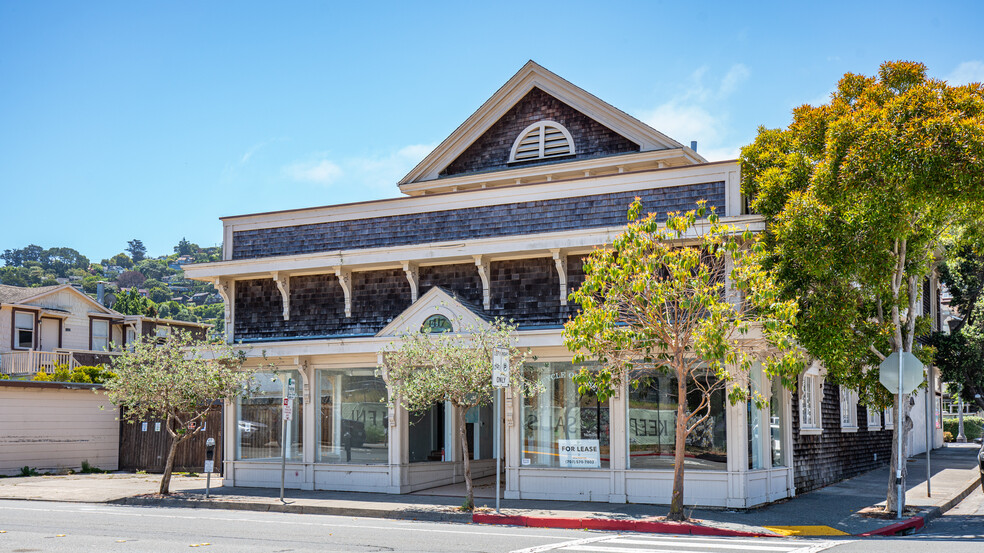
(32, 526)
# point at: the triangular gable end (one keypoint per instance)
(531, 76)
(72, 289)
(436, 301)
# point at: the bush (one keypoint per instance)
(973, 427)
(81, 374)
(947, 437)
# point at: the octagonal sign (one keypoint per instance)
(912, 372)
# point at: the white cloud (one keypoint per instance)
(697, 114)
(319, 171)
(966, 72)
(379, 172)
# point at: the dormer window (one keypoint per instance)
(544, 139)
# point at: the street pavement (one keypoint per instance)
(830, 511)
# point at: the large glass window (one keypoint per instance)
(260, 431)
(756, 423)
(777, 422)
(353, 425)
(100, 334)
(652, 427)
(562, 428)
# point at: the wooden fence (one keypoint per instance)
(144, 445)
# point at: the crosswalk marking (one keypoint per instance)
(728, 545)
(640, 543)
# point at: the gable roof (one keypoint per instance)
(436, 301)
(529, 76)
(21, 295)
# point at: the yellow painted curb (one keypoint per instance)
(806, 531)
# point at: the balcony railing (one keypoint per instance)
(21, 363)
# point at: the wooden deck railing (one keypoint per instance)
(17, 363)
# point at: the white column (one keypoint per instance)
(619, 450)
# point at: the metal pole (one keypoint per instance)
(961, 438)
(930, 398)
(899, 426)
(208, 483)
(498, 439)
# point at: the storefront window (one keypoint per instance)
(353, 426)
(260, 430)
(777, 422)
(652, 427)
(756, 423)
(562, 428)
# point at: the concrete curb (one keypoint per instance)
(917, 522)
(425, 515)
(618, 525)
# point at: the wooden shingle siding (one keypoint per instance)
(491, 150)
(526, 291)
(835, 455)
(560, 214)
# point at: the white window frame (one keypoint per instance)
(811, 400)
(97, 339)
(542, 125)
(889, 418)
(848, 409)
(874, 419)
(19, 328)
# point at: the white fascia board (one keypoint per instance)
(373, 344)
(438, 253)
(529, 76)
(638, 180)
(542, 170)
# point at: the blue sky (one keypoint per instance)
(122, 120)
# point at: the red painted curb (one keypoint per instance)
(913, 523)
(650, 526)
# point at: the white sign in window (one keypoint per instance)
(579, 453)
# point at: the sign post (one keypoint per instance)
(500, 380)
(288, 416)
(908, 377)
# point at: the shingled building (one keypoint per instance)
(495, 222)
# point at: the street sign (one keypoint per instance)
(291, 389)
(288, 409)
(500, 368)
(912, 372)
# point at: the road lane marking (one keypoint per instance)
(716, 545)
(554, 546)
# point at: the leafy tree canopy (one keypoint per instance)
(131, 302)
(663, 299)
(137, 250)
(58, 261)
(857, 195)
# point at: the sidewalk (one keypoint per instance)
(829, 511)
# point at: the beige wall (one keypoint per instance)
(50, 427)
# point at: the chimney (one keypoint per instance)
(100, 292)
(693, 145)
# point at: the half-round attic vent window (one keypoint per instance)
(436, 324)
(544, 139)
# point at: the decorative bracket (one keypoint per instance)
(560, 260)
(224, 287)
(345, 280)
(483, 271)
(413, 277)
(283, 284)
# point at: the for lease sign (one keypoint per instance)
(579, 453)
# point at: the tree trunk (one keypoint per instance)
(469, 503)
(901, 432)
(679, 448)
(169, 465)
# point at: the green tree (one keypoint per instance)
(857, 195)
(177, 379)
(424, 368)
(154, 268)
(137, 250)
(185, 247)
(960, 352)
(131, 302)
(159, 294)
(121, 260)
(659, 300)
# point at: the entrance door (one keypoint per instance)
(50, 334)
